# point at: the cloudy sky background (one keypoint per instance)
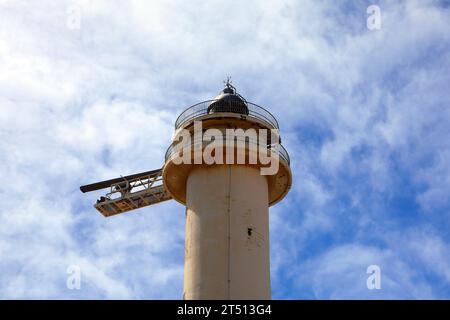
(364, 114)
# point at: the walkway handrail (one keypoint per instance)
(277, 148)
(201, 109)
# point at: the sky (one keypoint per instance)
(90, 90)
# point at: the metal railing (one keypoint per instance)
(282, 152)
(277, 148)
(202, 108)
(133, 193)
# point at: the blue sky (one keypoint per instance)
(364, 115)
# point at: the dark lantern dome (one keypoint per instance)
(228, 101)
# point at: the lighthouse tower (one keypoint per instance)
(227, 204)
(227, 183)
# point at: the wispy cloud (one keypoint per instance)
(364, 115)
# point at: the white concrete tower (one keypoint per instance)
(227, 205)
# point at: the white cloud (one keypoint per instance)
(340, 273)
(88, 104)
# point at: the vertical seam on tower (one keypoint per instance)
(229, 232)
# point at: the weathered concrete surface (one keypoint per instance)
(227, 234)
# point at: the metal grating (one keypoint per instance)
(133, 194)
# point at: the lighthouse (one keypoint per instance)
(227, 166)
(227, 204)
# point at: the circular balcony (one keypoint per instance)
(181, 158)
(204, 108)
(277, 148)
